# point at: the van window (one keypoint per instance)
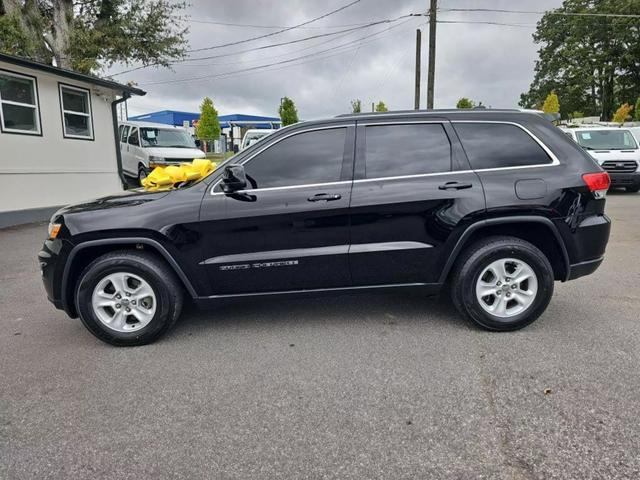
(409, 149)
(606, 139)
(133, 137)
(498, 145)
(305, 158)
(125, 134)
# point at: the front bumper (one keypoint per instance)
(51, 259)
(619, 180)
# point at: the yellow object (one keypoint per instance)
(167, 178)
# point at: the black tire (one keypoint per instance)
(166, 287)
(142, 174)
(635, 189)
(476, 258)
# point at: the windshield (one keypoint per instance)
(164, 137)
(606, 139)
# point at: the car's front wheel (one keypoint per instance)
(128, 298)
(142, 174)
(634, 189)
(502, 283)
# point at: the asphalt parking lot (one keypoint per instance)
(368, 386)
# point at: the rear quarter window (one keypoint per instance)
(499, 145)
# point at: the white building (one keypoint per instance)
(58, 138)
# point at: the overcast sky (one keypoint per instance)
(489, 63)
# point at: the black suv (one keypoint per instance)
(494, 204)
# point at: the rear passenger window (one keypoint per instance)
(497, 145)
(410, 149)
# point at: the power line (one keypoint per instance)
(550, 12)
(250, 25)
(258, 67)
(274, 45)
(523, 25)
(276, 33)
(357, 40)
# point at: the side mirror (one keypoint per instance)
(233, 179)
(198, 143)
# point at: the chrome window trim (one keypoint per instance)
(554, 160)
(417, 175)
(276, 141)
(268, 189)
(552, 156)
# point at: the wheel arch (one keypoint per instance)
(531, 228)
(84, 253)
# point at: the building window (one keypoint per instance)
(76, 112)
(19, 111)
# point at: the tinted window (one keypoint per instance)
(395, 150)
(494, 145)
(306, 158)
(125, 133)
(133, 137)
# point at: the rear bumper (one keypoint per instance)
(625, 179)
(587, 245)
(581, 269)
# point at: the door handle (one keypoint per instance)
(326, 197)
(455, 186)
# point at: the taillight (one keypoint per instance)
(598, 183)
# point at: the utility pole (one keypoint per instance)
(432, 52)
(418, 49)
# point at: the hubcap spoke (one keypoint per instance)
(124, 302)
(506, 287)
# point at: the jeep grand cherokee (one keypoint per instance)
(494, 204)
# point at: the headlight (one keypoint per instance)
(154, 159)
(54, 229)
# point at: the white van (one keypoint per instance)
(145, 145)
(615, 149)
(253, 135)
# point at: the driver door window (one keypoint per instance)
(303, 159)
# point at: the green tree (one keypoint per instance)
(288, 112)
(576, 114)
(551, 103)
(592, 62)
(622, 113)
(208, 126)
(86, 35)
(464, 102)
(636, 111)
(381, 107)
(356, 106)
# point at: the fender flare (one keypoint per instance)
(501, 221)
(121, 241)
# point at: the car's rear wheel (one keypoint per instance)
(128, 298)
(502, 283)
(635, 189)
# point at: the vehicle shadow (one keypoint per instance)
(365, 308)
